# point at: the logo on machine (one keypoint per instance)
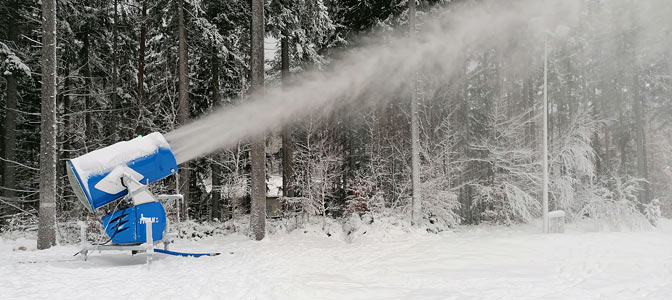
(143, 219)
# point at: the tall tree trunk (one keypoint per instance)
(217, 180)
(258, 151)
(416, 212)
(604, 104)
(140, 127)
(287, 143)
(141, 56)
(9, 133)
(595, 141)
(115, 44)
(46, 236)
(112, 130)
(87, 28)
(183, 107)
(88, 84)
(640, 140)
(622, 142)
(66, 145)
(9, 155)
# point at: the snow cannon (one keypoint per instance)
(97, 177)
(123, 171)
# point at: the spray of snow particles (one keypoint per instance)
(378, 71)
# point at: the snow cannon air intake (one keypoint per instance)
(98, 177)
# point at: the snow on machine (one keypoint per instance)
(120, 173)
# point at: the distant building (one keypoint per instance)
(273, 194)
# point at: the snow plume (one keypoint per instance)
(374, 73)
(379, 72)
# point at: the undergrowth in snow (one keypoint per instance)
(347, 229)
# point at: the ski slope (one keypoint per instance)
(474, 263)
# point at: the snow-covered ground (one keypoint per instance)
(473, 263)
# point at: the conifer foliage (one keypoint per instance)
(118, 69)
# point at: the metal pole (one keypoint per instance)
(177, 188)
(82, 233)
(545, 152)
(149, 239)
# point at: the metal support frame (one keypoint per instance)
(149, 244)
(140, 248)
(139, 194)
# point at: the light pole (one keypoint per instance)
(545, 143)
(560, 31)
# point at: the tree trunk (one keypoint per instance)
(640, 141)
(604, 104)
(217, 180)
(112, 130)
(115, 43)
(9, 133)
(46, 236)
(141, 56)
(88, 87)
(287, 143)
(9, 155)
(595, 141)
(258, 151)
(183, 107)
(622, 143)
(416, 212)
(65, 143)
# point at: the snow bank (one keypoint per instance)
(19, 244)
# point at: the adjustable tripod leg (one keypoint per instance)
(150, 239)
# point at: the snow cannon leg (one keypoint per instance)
(149, 244)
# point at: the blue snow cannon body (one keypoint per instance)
(92, 175)
(126, 226)
(96, 179)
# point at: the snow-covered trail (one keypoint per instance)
(474, 264)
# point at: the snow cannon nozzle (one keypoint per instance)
(96, 177)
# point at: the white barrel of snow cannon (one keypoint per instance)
(96, 177)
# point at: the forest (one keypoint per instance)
(447, 131)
